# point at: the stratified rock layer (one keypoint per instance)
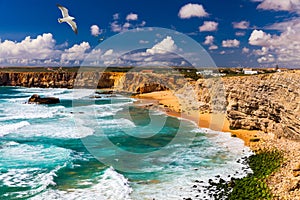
(268, 102)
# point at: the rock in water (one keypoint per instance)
(45, 100)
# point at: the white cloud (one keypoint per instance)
(240, 33)
(115, 27)
(95, 30)
(126, 25)
(192, 10)
(41, 51)
(143, 42)
(285, 47)
(259, 38)
(261, 52)
(75, 53)
(166, 45)
(108, 52)
(266, 59)
(116, 16)
(209, 40)
(282, 26)
(230, 43)
(132, 17)
(29, 51)
(280, 5)
(209, 26)
(119, 27)
(245, 50)
(241, 25)
(213, 47)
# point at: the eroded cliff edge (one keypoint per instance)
(268, 102)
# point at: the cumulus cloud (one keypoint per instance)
(41, 51)
(284, 47)
(116, 26)
(259, 37)
(132, 17)
(166, 45)
(280, 5)
(282, 26)
(116, 16)
(209, 40)
(261, 52)
(126, 25)
(95, 30)
(230, 43)
(213, 47)
(241, 25)
(108, 52)
(75, 53)
(192, 10)
(208, 26)
(266, 59)
(29, 51)
(240, 33)
(245, 50)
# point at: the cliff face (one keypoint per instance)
(135, 82)
(59, 80)
(269, 103)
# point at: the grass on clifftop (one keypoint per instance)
(253, 186)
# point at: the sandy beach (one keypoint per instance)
(169, 103)
(284, 183)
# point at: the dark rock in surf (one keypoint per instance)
(45, 100)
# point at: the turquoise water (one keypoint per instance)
(105, 148)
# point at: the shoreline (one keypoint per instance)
(166, 102)
(284, 183)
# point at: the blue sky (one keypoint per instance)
(256, 33)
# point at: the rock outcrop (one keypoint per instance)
(45, 100)
(269, 102)
(59, 79)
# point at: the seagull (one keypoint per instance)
(67, 18)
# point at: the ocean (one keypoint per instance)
(106, 148)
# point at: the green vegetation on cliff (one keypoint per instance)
(253, 186)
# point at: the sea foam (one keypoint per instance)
(9, 128)
(110, 185)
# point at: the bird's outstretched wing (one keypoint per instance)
(73, 25)
(64, 11)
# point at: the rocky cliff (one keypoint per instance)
(59, 79)
(269, 103)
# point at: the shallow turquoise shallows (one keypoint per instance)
(105, 148)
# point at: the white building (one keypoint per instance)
(249, 71)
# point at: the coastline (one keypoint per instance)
(167, 102)
(284, 182)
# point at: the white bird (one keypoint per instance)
(67, 18)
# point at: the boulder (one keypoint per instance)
(45, 100)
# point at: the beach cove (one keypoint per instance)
(271, 120)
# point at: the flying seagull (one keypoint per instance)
(67, 18)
